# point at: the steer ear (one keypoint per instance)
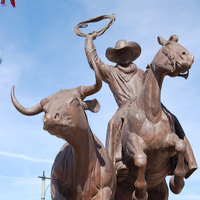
(92, 105)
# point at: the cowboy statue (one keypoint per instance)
(124, 80)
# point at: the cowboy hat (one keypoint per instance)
(123, 44)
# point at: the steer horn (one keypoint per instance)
(26, 111)
(89, 90)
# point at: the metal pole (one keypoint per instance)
(43, 177)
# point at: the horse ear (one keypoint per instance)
(161, 40)
(173, 38)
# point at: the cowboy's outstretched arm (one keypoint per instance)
(90, 51)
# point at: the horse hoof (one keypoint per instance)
(143, 198)
(176, 184)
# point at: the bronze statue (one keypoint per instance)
(145, 142)
(82, 169)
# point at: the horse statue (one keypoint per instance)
(148, 138)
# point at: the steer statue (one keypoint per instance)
(149, 139)
(82, 169)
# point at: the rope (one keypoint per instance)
(83, 24)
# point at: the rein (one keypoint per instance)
(171, 57)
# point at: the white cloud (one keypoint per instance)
(25, 157)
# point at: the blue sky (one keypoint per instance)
(41, 55)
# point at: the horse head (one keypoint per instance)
(173, 58)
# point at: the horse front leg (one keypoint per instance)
(134, 147)
(140, 161)
(177, 181)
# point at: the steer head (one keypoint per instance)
(65, 110)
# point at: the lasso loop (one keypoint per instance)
(83, 24)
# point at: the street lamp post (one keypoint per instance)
(43, 177)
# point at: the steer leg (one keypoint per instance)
(134, 147)
(177, 181)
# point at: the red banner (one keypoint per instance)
(11, 1)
